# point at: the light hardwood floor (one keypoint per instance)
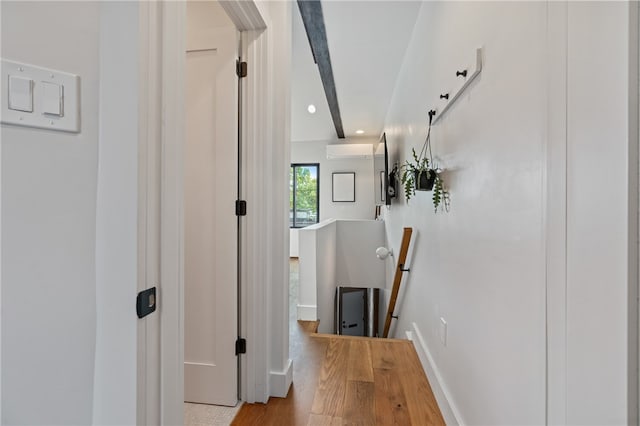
(341, 380)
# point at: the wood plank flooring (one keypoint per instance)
(340, 380)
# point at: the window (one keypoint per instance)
(304, 185)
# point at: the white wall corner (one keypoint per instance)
(443, 397)
(280, 381)
(307, 312)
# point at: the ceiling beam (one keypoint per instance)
(313, 19)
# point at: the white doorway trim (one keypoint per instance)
(172, 223)
(266, 368)
(161, 139)
(555, 216)
(634, 215)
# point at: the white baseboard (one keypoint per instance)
(443, 397)
(280, 382)
(307, 312)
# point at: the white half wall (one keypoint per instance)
(317, 267)
(336, 253)
(49, 182)
(356, 262)
(294, 244)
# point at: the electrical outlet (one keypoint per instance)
(442, 331)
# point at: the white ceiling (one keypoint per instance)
(367, 41)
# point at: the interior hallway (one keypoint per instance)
(347, 380)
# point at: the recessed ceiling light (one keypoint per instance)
(359, 132)
(311, 108)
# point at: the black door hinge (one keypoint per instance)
(241, 69)
(146, 302)
(241, 346)
(241, 208)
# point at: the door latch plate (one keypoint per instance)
(146, 302)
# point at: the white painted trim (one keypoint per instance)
(120, 381)
(255, 279)
(0, 261)
(149, 189)
(554, 197)
(280, 381)
(265, 164)
(246, 15)
(448, 409)
(634, 214)
(171, 297)
(307, 312)
(256, 286)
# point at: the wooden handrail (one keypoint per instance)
(400, 269)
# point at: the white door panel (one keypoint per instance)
(211, 170)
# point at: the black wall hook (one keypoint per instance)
(461, 73)
(403, 269)
(445, 96)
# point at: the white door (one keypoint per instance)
(210, 252)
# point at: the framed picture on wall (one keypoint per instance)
(344, 187)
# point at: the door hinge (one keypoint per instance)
(241, 346)
(241, 208)
(241, 69)
(146, 302)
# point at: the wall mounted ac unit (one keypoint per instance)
(352, 151)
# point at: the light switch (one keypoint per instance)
(33, 96)
(20, 94)
(52, 99)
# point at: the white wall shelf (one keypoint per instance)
(468, 80)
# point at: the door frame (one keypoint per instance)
(556, 198)
(267, 371)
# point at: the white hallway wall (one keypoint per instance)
(482, 265)
(49, 182)
(70, 223)
(364, 206)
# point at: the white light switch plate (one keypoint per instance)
(69, 121)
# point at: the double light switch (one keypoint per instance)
(39, 97)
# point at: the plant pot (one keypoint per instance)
(424, 181)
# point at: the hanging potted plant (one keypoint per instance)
(420, 174)
(416, 175)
